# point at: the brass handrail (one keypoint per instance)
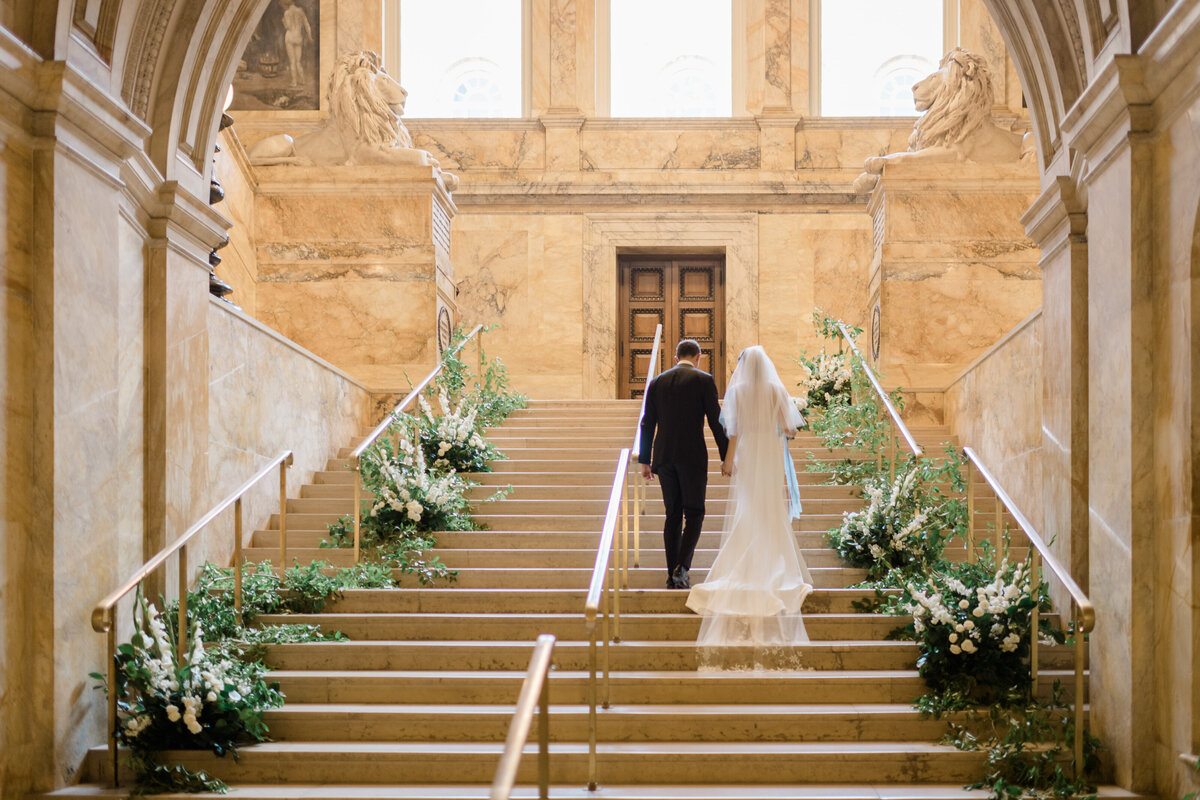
(102, 614)
(535, 694)
(356, 453)
(638, 487)
(887, 402)
(597, 604)
(1084, 613)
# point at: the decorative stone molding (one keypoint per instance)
(736, 235)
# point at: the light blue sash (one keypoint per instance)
(789, 470)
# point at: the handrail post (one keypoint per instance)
(544, 740)
(181, 644)
(237, 559)
(640, 485)
(623, 550)
(1079, 691)
(112, 703)
(998, 535)
(592, 709)
(615, 588)
(357, 506)
(605, 632)
(283, 465)
(970, 513)
(1034, 616)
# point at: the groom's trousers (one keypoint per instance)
(683, 488)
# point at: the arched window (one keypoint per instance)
(671, 58)
(873, 51)
(461, 58)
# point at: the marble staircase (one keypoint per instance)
(417, 703)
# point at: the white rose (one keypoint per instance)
(977, 612)
(963, 604)
(193, 726)
(212, 697)
(955, 649)
(953, 637)
(968, 646)
(969, 625)
(173, 713)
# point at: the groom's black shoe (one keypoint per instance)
(676, 580)
(684, 580)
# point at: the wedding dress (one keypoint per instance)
(751, 601)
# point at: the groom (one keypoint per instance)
(677, 402)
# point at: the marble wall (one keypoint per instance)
(995, 407)
(953, 269)
(267, 395)
(352, 264)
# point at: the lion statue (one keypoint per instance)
(364, 127)
(957, 123)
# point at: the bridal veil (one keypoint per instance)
(751, 600)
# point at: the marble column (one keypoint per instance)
(83, 372)
(354, 265)
(1111, 131)
(952, 269)
(1057, 221)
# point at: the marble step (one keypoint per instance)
(493, 519)
(651, 539)
(596, 491)
(609, 791)
(642, 762)
(514, 505)
(533, 578)
(571, 626)
(630, 687)
(571, 655)
(548, 601)
(602, 459)
(673, 722)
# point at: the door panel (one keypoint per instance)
(685, 294)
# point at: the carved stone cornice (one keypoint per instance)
(1058, 215)
(1116, 101)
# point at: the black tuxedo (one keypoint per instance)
(677, 403)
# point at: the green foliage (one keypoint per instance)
(1028, 744)
(488, 394)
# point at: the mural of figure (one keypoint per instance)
(297, 32)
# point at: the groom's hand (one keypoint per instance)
(647, 475)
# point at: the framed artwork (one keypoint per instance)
(280, 69)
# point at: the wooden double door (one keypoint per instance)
(686, 295)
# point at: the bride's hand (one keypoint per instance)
(727, 468)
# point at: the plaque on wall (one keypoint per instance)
(281, 67)
(875, 334)
(444, 329)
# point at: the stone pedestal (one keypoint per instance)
(952, 269)
(354, 265)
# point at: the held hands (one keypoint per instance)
(727, 467)
(646, 473)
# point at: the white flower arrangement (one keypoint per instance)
(824, 377)
(209, 701)
(451, 440)
(972, 624)
(894, 530)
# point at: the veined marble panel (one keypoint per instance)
(671, 145)
(525, 275)
(605, 234)
(267, 395)
(995, 406)
(471, 146)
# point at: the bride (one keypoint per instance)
(751, 601)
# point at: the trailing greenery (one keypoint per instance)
(488, 394)
(971, 621)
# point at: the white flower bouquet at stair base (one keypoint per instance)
(364, 126)
(957, 123)
(208, 702)
(972, 625)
